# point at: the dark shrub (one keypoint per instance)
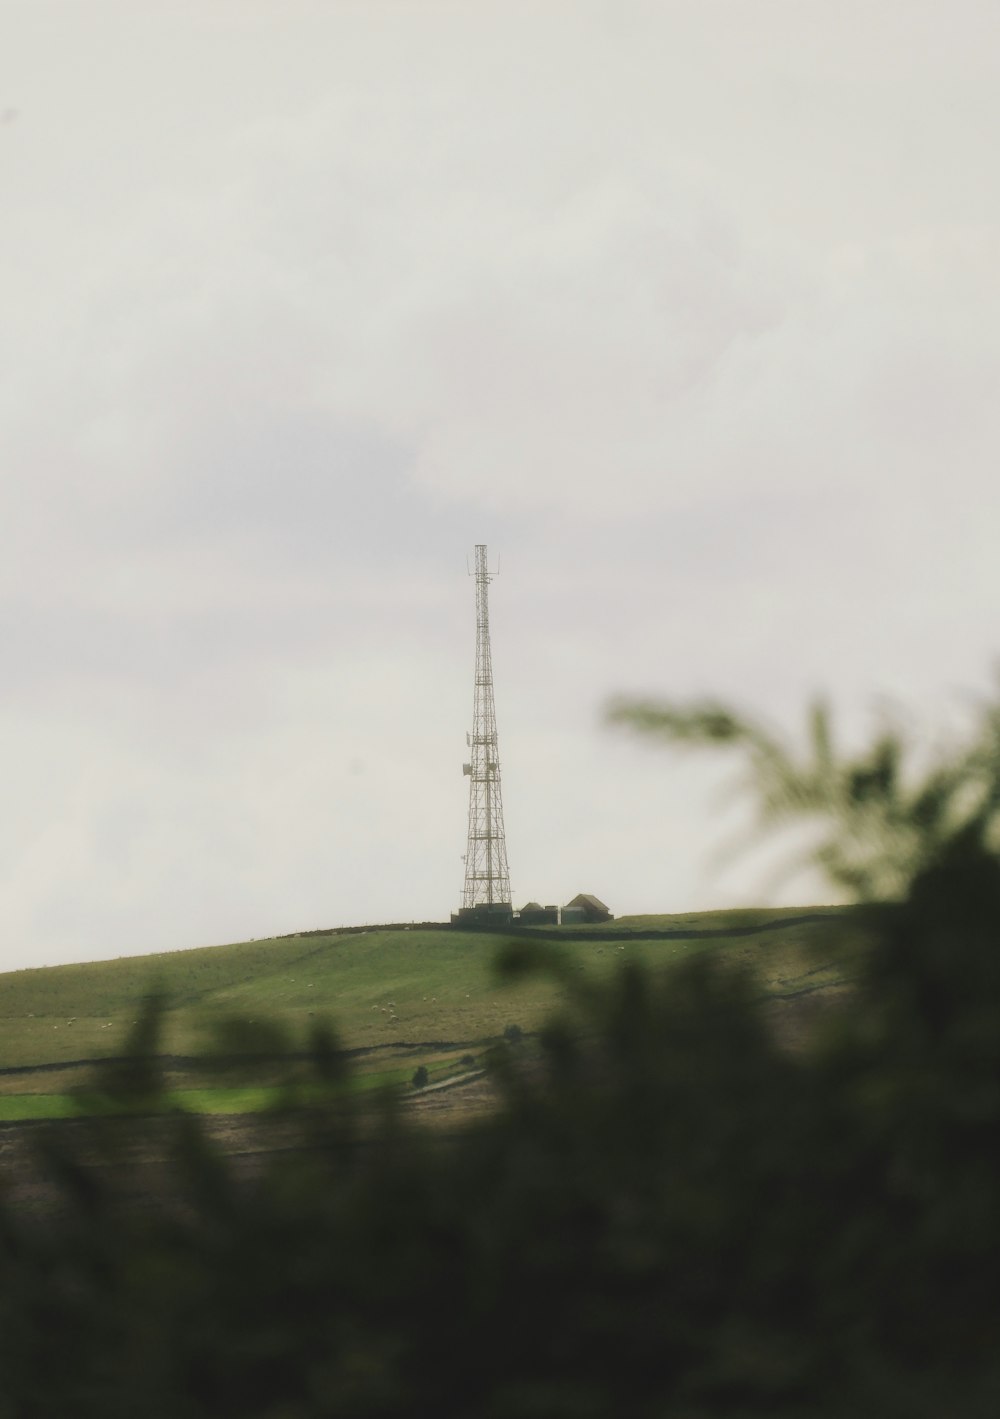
(667, 1214)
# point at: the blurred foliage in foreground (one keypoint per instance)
(885, 818)
(668, 1214)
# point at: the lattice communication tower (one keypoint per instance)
(487, 878)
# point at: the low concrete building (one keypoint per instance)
(496, 914)
(534, 914)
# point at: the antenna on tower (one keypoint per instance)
(486, 896)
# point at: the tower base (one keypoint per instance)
(476, 918)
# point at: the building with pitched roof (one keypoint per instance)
(586, 908)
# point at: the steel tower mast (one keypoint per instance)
(487, 878)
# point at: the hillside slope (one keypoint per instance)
(386, 988)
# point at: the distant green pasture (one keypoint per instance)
(222, 1099)
(435, 990)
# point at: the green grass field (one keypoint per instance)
(399, 998)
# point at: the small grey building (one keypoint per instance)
(534, 914)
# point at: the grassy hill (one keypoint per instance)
(397, 997)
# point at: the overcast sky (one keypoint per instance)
(689, 310)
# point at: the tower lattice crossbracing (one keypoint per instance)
(487, 879)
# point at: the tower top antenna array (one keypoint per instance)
(486, 896)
